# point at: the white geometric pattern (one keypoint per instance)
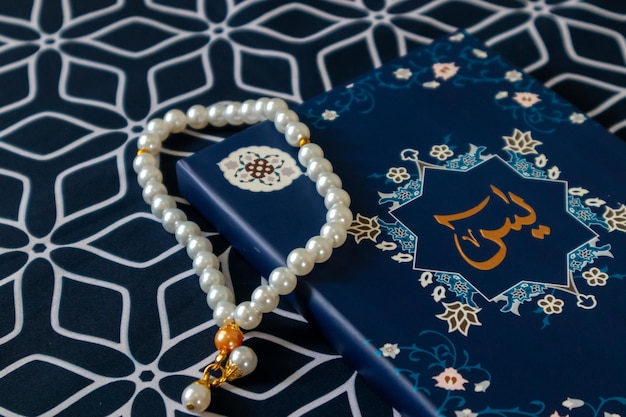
(78, 79)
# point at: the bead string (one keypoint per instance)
(233, 359)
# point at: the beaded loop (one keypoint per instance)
(282, 281)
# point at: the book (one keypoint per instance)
(483, 273)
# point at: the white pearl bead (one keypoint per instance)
(152, 189)
(325, 181)
(232, 115)
(316, 166)
(145, 159)
(215, 114)
(272, 106)
(336, 196)
(339, 213)
(196, 397)
(336, 232)
(308, 151)
(171, 218)
(248, 115)
(196, 244)
(246, 316)
(264, 298)
(176, 120)
(209, 277)
(149, 173)
(185, 230)
(320, 247)
(219, 293)
(149, 141)
(161, 203)
(283, 117)
(282, 280)
(159, 128)
(300, 261)
(296, 131)
(197, 117)
(205, 259)
(245, 359)
(259, 108)
(223, 313)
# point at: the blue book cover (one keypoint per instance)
(484, 270)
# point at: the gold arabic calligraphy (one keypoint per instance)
(493, 235)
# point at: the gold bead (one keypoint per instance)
(303, 141)
(228, 338)
(142, 151)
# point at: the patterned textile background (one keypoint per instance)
(100, 312)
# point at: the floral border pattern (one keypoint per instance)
(463, 313)
(541, 111)
(447, 375)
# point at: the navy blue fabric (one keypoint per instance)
(100, 313)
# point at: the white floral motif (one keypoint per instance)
(541, 161)
(403, 73)
(439, 293)
(441, 152)
(398, 175)
(577, 118)
(595, 277)
(431, 84)
(501, 94)
(401, 257)
(521, 142)
(363, 227)
(426, 279)
(572, 403)
(457, 38)
(460, 317)
(330, 115)
(616, 218)
(479, 53)
(595, 202)
(390, 350)
(409, 154)
(386, 245)
(466, 412)
(551, 305)
(578, 191)
(445, 70)
(554, 173)
(450, 379)
(482, 386)
(513, 76)
(526, 99)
